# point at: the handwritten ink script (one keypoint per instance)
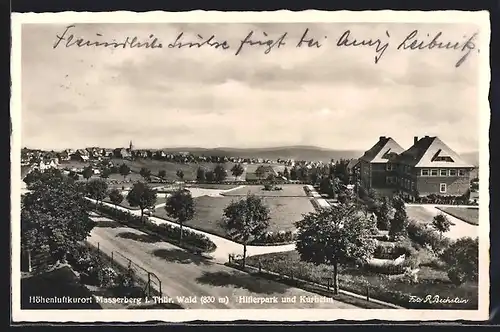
(415, 41)
(436, 299)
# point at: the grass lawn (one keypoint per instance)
(289, 190)
(170, 168)
(419, 213)
(383, 287)
(469, 215)
(220, 186)
(209, 212)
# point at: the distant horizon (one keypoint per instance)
(180, 148)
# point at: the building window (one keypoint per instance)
(412, 185)
(442, 188)
(453, 172)
(389, 167)
(443, 172)
(425, 172)
(387, 180)
(434, 172)
(461, 172)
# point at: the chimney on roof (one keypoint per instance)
(381, 137)
(415, 140)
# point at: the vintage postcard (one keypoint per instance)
(276, 166)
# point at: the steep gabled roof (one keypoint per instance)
(382, 151)
(431, 152)
(352, 163)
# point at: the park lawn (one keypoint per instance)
(288, 190)
(170, 168)
(391, 289)
(469, 215)
(221, 186)
(419, 213)
(284, 212)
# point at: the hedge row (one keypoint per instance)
(190, 239)
(272, 238)
(444, 199)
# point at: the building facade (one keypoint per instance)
(428, 167)
(375, 166)
(431, 167)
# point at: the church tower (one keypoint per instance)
(130, 146)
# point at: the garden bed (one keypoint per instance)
(392, 289)
(287, 190)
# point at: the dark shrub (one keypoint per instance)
(164, 230)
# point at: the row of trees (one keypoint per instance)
(323, 174)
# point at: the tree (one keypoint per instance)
(383, 214)
(200, 174)
(96, 189)
(124, 170)
(260, 172)
(400, 221)
(162, 174)
(73, 175)
(220, 173)
(105, 173)
(180, 205)
(116, 197)
(180, 174)
(36, 176)
(326, 187)
(87, 172)
(286, 173)
(142, 196)
(145, 173)
(303, 173)
(54, 215)
(462, 258)
(441, 224)
(249, 218)
(335, 236)
(237, 170)
(314, 176)
(293, 173)
(209, 176)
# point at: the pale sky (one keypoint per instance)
(330, 97)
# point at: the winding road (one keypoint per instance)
(184, 274)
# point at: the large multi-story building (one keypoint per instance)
(428, 167)
(374, 165)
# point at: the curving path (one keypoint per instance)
(225, 247)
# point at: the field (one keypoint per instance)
(419, 213)
(209, 213)
(469, 215)
(288, 190)
(432, 280)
